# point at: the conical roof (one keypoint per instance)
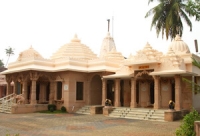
(29, 54)
(74, 49)
(107, 45)
(179, 46)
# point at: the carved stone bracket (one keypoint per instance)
(143, 72)
(8, 78)
(34, 75)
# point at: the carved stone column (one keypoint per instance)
(33, 92)
(133, 93)
(8, 91)
(15, 87)
(104, 92)
(34, 77)
(177, 92)
(8, 80)
(117, 93)
(157, 95)
(24, 91)
(52, 91)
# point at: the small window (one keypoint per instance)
(59, 90)
(79, 90)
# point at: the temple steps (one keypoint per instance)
(138, 113)
(131, 113)
(84, 110)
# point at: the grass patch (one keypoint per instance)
(50, 112)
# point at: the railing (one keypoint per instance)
(6, 103)
(6, 97)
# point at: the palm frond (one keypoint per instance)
(193, 86)
(195, 62)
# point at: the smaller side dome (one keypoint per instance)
(114, 55)
(179, 46)
(74, 49)
(29, 54)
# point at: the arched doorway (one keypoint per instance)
(96, 91)
(144, 88)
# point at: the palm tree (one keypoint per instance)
(167, 17)
(9, 52)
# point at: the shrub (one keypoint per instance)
(187, 126)
(63, 109)
(51, 107)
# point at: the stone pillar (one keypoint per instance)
(104, 91)
(133, 93)
(157, 94)
(52, 91)
(177, 92)
(33, 92)
(15, 87)
(25, 92)
(117, 93)
(33, 77)
(8, 91)
(8, 80)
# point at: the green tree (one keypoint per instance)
(9, 52)
(168, 16)
(187, 126)
(1, 63)
(194, 86)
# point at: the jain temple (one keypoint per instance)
(75, 77)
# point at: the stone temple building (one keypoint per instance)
(74, 77)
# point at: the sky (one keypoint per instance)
(46, 25)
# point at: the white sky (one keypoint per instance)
(48, 24)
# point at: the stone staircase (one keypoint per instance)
(138, 113)
(84, 110)
(6, 103)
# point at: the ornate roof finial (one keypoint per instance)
(108, 24)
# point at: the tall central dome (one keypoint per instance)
(74, 49)
(107, 45)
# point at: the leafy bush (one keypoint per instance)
(63, 109)
(187, 126)
(51, 107)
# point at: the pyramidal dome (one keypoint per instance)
(74, 49)
(29, 54)
(179, 46)
(113, 54)
(107, 45)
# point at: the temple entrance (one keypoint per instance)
(173, 90)
(144, 89)
(110, 90)
(152, 92)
